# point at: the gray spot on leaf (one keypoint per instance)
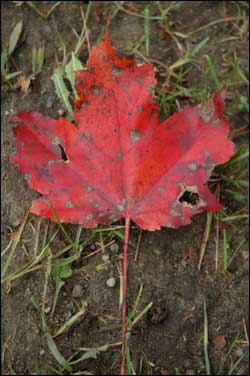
(119, 154)
(89, 216)
(69, 204)
(134, 136)
(138, 79)
(192, 166)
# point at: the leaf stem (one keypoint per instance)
(124, 292)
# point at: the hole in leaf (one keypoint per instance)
(64, 156)
(191, 198)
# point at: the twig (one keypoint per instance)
(37, 236)
(226, 19)
(98, 250)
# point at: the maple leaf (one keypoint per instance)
(118, 161)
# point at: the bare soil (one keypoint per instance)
(169, 339)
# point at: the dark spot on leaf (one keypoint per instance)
(105, 58)
(119, 154)
(139, 109)
(89, 216)
(138, 79)
(85, 104)
(47, 131)
(125, 87)
(85, 136)
(130, 113)
(150, 89)
(97, 90)
(116, 71)
(69, 204)
(43, 172)
(77, 80)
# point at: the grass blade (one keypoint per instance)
(61, 89)
(207, 362)
(14, 37)
(67, 236)
(213, 72)
(13, 246)
(225, 249)
(65, 327)
(128, 361)
(147, 30)
(56, 354)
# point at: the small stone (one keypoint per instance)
(111, 282)
(77, 291)
(49, 102)
(41, 352)
(47, 309)
(6, 113)
(60, 112)
(105, 257)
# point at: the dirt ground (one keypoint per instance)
(169, 338)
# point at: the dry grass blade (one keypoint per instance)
(138, 245)
(14, 245)
(205, 239)
(86, 29)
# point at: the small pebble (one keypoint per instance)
(6, 113)
(77, 291)
(111, 282)
(105, 257)
(49, 103)
(47, 309)
(42, 352)
(60, 112)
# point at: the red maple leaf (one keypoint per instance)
(118, 161)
